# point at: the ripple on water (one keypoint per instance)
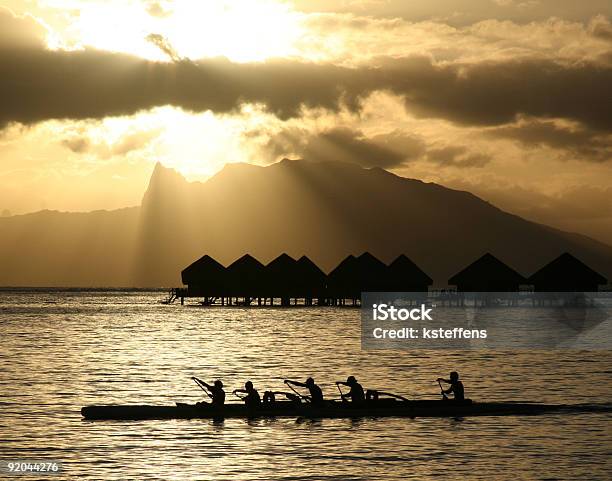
(62, 351)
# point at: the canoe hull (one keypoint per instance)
(410, 409)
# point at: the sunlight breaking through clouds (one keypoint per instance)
(503, 96)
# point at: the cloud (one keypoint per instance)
(464, 12)
(133, 141)
(600, 27)
(162, 43)
(39, 85)
(128, 142)
(157, 9)
(388, 150)
(344, 145)
(354, 39)
(574, 141)
(575, 202)
(518, 4)
(78, 144)
(20, 32)
(493, 93)
(576, 207)
(457, 156)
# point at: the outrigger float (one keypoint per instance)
(382, 408)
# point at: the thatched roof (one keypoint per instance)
(402, 274)
(372, 273)
(567, 270)
(287, 277)
(357, 274)
(245, 275)
(309, 274)
(282, 265)
(341, 279)
(344, 270)
(370, 265)
(281, 275)
(205, 270)
(487, 272)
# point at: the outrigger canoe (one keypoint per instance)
(334, 409)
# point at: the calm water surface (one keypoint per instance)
(63, 350)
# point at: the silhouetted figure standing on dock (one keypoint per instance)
(252, 398)
(316, 394)
(356, 394)
(456, 386)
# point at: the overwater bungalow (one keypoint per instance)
(355, 275)
(403, 275)
(245, 279)
(373, 274)
(311, 282)
(281, 278)
(204, 277)
(292, 280)
(487, 274)
(566, 274)
(341, 282)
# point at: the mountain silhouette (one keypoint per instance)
(324, 210)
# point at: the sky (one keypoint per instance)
(508, 99)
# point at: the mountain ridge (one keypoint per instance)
(325, 210)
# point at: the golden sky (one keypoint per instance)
(509, 99)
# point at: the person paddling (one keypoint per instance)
(217, 394)
(356, 394)
(456, 386)
(316, 394)
(252, 398)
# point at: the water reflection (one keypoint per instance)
(60, 353)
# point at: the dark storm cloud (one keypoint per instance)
(576, 142)
(345, 145)
(38, 84)
(491, 93)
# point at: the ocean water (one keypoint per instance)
(61, 350)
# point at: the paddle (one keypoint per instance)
(288, 383)
(340, 390)
(442, 389)
(202, 386)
